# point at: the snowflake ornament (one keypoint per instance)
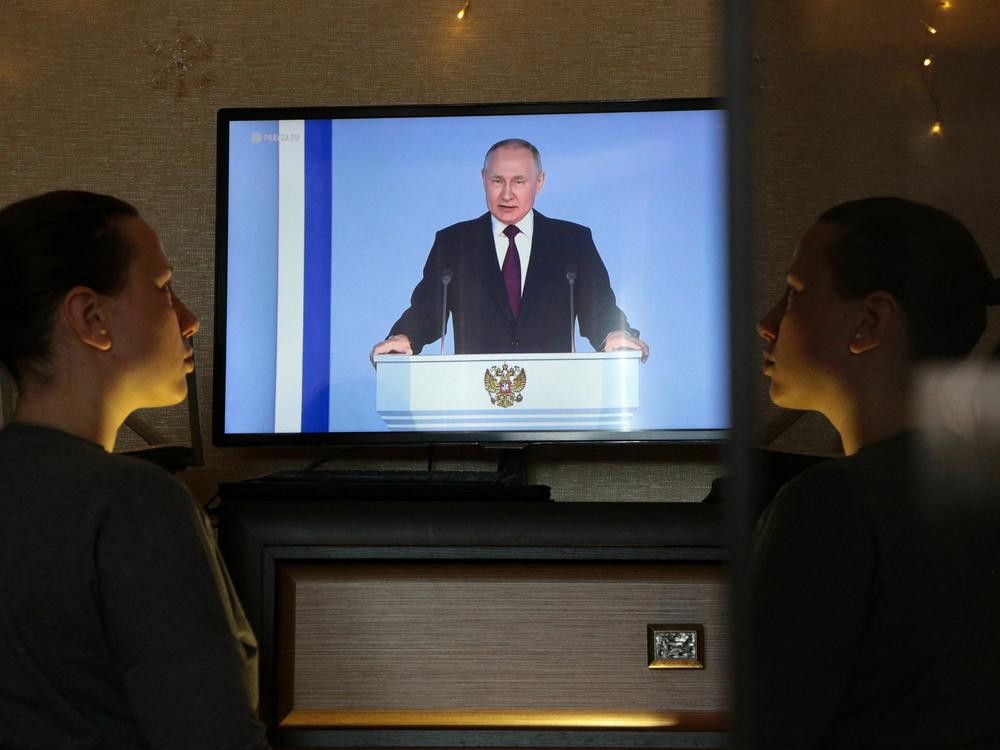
(182, 58)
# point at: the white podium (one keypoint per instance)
(484, 392)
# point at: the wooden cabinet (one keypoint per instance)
(482, 624)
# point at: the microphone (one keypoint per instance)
(446, 277)
(571, 278)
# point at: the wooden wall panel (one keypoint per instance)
(498, 644)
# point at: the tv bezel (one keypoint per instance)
(499, 438)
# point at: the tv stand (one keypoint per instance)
(510, 461)
(461, 486)
(482, 625)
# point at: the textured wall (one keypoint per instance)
(80, 109)
(840, 113)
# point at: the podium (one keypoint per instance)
(485, 392)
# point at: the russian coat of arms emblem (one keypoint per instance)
(504, 384)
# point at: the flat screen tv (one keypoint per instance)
(337, 227)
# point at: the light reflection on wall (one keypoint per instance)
(483, 718)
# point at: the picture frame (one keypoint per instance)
(675, 646)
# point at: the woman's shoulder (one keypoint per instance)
(142, 501)
(881, 460)
(137, 473)
(134, 485)
(852, 483)
(69, 470)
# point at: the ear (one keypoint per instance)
(86, 315)
(880, 320)
(539, 182)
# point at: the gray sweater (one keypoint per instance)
(876, 610)
(118, 624)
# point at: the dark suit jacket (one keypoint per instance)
(477, 299)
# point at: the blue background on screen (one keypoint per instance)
(252, 280)
(649, 185)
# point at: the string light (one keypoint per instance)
(464, 10)
(929, 64)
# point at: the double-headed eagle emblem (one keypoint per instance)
(504, 384)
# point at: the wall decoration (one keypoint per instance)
(182, 62)
(675, 646)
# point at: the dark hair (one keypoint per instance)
(923, 257)
(49, 244)
(515, 143)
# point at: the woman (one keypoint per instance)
(876, 608)
(113, 633)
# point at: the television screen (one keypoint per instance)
(340, 228)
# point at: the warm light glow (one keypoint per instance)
(936, 128)
(498, 718)
(464, 10)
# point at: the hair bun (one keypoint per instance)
(993, 292)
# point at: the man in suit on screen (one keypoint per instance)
(508, 275)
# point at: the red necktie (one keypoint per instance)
(512, 271)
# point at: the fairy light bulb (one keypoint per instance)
(930, 63)
(465, 9)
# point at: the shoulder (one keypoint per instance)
(462, 228)
(99, 507)
(148, 519)
(877, 469)
(140, 486)
(816, 529)
(137, 473)
(560, 226)
(821, 480)
(80, 476)
(845, 492)
(819, 502)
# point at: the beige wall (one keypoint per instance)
(841, 113)
(839, 109)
